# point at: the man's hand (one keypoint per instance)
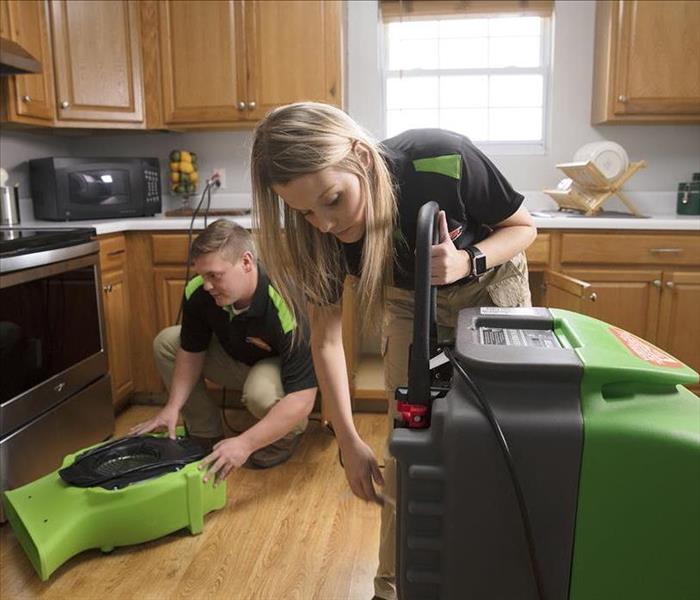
(447, 263)
(361, 469)
(228, 454)
(165, 419)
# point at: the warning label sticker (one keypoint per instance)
(645, 350)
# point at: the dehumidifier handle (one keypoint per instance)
(425, 306)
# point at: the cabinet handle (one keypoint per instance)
(107, 288)
(241, 105)
(593, 297)
(657, 283)
(622, 98)
(251, 105)
(65, 104)
(115, 252)
(670, 284)
(26, 99)
(665, 250)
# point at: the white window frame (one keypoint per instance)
(502, 148)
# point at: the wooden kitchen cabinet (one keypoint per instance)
(28, 99)
(646, 62)
(293, 53)
(228, 63)
(169, 273)
(97, 55)
(679, 316)
(115, 302)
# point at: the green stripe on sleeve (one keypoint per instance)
(193, 285)
(285, 316)
(449, 164)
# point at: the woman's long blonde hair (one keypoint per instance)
(305, 264)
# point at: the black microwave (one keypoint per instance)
(69, 189)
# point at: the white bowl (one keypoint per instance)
(610, 158)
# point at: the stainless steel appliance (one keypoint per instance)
(69, 189)
(55, 393)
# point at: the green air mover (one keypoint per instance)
(561, 462)
(127, 491)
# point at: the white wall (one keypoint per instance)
(672, 151)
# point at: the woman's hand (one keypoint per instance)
(226, 455)
(361, 469)
(165, 419)
(447, 264)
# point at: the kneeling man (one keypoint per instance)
(253, 349)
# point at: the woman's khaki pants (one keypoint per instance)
(260, 385)
(505, 286)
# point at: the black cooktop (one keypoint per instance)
(15, 241)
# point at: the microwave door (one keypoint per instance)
(98, 189)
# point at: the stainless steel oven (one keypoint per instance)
(55, 394)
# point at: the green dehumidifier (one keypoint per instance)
(561, 462)
(127, 491)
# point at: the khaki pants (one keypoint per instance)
(505, 286)
(260, 385)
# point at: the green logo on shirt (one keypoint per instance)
(449, 164)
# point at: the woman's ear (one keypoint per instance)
(363, 154)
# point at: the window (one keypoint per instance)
(484, 77)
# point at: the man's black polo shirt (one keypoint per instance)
(439, 165)
(268, 318)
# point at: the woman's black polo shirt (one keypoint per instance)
(439, 165)
(268, 318)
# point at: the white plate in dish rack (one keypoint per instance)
(610, 158)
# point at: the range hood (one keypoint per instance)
(15, 60)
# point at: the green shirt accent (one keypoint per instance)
(283, 312)
(449, 164)
(193, 285)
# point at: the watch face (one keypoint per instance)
(479, 264)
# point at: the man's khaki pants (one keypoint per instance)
(504, 286)
(260, 385)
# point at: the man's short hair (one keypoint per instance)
(228, 239)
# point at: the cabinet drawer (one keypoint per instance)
(643, 249)
(112, 252)
(538, 252)
(170, 248)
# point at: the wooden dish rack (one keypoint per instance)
(590, 188)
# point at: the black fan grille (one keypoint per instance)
(116, 465)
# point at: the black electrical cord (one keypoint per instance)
(206, 193)
(503, 444)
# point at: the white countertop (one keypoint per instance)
(659, 205)
(160, 223)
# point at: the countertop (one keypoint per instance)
(160, 223)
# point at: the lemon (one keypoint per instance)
(186, 167)
(174, 166)
(185, 156)
(174, 176)
(194, 177)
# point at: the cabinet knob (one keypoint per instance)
(593, 297)
(657, 283)
(241, 105)
(65, 104)
(251, 105)
(670, 284)
(622, 98)
(26, 99)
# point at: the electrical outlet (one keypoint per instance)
(220, 173)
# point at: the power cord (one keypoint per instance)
(206, 193)
(485, 408)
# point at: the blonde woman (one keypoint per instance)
(349, 207)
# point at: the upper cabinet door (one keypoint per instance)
(647, 63)
(31, 96)
(200, 65)
(658, 66)
(97, 54)
(293, 53)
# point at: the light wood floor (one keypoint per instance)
(291, 532)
